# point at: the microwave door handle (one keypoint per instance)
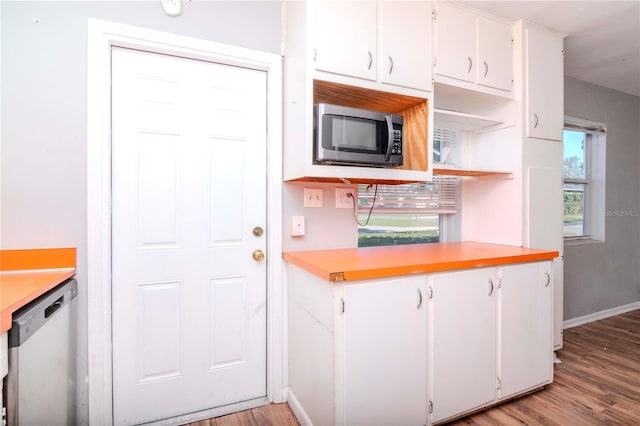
(387, 157)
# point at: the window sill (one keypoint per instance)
(581, 242)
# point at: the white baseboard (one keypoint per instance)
(297, 409)
(574, 322)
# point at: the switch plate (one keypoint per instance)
(313, 197)
(342, 200)
(297, 226)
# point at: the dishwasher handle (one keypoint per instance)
(52, 308)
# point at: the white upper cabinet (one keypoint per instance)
(406, 48)
(385, 41)
(495, 59)
(346, 37)
(455, 43)
(544, 83)
(472, 49)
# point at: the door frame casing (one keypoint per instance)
(102, 35)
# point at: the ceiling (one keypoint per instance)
(603, 37)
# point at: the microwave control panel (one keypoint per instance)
(397, 142)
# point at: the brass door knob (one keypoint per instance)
(258, 231)
(258, 255)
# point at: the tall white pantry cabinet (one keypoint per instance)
(541, 71)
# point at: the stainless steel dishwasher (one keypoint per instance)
(41, 378)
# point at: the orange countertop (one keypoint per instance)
(379, 262)
(27, 274)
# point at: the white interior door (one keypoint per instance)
(188, 188)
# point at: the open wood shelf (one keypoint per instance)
(452, 171)
(414, 110)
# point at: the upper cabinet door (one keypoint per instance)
(405, 31)
(495, 54)
(346, 38)
(544, 82)
(455, 43)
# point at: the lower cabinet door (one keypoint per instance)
(382, 348)
(462, 346)
(525, 316)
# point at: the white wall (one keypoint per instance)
(326, 227)
(43, 113)
(602, 276)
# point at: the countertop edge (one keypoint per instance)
(440, 267)
(302, 260)
(7, 313)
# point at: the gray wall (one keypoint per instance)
(43, 83)
(602, 276)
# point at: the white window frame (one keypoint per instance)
(446, 215)
(594, 181)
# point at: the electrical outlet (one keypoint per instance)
(297, 226)
(313, 197)
(343, 200)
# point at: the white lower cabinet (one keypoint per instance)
(525, 319)
(381, 343)
(420, 349)
(462, 341)
(490, 336)
(357, 351)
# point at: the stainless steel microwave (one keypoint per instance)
(357, 137)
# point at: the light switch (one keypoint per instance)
(313, 197)
(297, 226)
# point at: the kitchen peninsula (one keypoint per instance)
(416, 334)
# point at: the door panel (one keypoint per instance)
(188, 186)
(339, 48)
(405, 25)
(544, 84)
(495, 57)
(384, 348)
(526, 358)
(455, 43)
(459, 382)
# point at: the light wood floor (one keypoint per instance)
(268, 415)
(597, 383)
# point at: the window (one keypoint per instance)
(405, 214)
(583, 172)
